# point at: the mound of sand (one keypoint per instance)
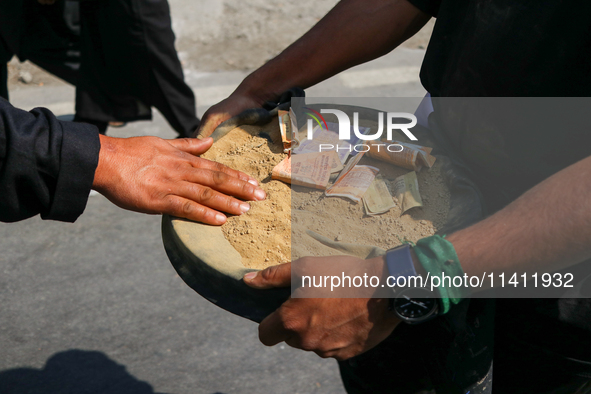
(273, 231)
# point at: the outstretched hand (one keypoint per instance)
(331, 327)
(223, 111)
(152, 175)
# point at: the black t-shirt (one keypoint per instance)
(486, 49)
(517, 49)
(508, 48)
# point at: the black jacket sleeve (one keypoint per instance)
(46, 166)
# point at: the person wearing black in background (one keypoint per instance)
(119, 54)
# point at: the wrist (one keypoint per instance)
(106, 153)
(256, 89)
(269, 82)
(412, 300)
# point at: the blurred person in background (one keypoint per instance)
(119, 54)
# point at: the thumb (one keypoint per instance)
(208, 126)
(276, 276)
(204, 130)
(193, 146)
(214, 116)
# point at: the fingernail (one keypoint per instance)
(244, 207)
(253, 182)
(220, 218)
(250, 276)
(260, 194)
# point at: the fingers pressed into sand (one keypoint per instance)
(196, 147)
(226, 184)
(185, 208)
(198, 162)
(213, 199)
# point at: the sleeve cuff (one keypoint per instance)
(79, 159)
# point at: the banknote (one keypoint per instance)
(377, 199)
(354, 183)
(350, 165)
(308, 169)
(406, 190)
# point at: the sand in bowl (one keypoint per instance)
(274, 230)
(262, 236)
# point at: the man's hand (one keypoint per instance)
(331, 327)
(225, 110)
(152, 175)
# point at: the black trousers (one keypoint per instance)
(119, 54)
(451, 354)
(448, 356)
(129, 64)
(4, 58)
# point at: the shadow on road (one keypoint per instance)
(74, 372)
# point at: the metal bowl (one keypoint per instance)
(207, 262)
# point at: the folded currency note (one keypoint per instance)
(354, 183)
(377, 199)
(308, 169)
(406, 190)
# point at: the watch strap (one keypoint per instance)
(399, 262)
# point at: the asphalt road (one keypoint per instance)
(95, 306)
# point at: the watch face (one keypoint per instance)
(415, 304)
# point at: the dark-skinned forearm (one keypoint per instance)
(546, 229)
(353, 32)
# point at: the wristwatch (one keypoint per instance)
(413, 305)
